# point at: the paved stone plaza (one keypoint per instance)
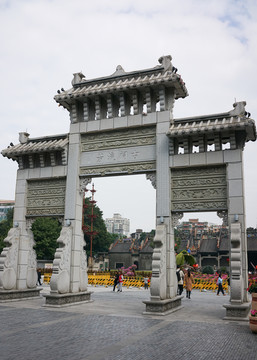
(113, 327)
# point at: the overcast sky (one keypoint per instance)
(43, 42)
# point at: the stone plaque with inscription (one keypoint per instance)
(120, 152)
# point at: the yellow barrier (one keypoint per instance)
(47, 278)
(106, 280)
(208, 284)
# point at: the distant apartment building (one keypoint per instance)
(118, 225)
(194, 227)
(5, 206)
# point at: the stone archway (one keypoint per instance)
(123, 124)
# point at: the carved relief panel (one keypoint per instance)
(119, 152)
(118, 139)
(46, 197)
(199, 189)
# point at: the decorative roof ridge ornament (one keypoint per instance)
(23, 137)
(77, 78)
(239, 108)
(119, 71)
(165, 61)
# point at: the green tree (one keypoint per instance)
(143, 236)
(46, 231)
(251, 232)
(151, 238)
(113, 237)
(102, 240)
(208, 270)
(177, 239)
(150, 235)
(184, 258)
(5, 226)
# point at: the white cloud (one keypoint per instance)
(213, 44)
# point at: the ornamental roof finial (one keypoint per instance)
(165, 61)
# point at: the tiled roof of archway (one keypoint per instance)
(37, 145)
(234, 120)
(124, 81)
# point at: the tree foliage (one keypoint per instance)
(143, 236)
(177, 239)
(208, 270)
(102, 241)
(251, 232)
(184, 258)
(46, 231)
(5, 226)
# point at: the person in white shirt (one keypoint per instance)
(180, 277)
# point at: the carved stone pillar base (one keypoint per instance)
(162, 307)
(14, 295)
(237, 311)
(61, 300)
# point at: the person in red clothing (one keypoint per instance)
(116, 281)
(120, 282)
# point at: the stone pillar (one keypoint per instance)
(239, 305)
(18, 265)
(237, 309)
(69, 281)
(237, 206)
(163, 284)
(159, 280)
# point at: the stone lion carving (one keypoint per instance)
(9, 260)
(32, 263)
(158, 285)
(60, 280)
(83, 267)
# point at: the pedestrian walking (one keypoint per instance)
(180, 278)
(220, 287)
(228, 281)
(116, 281)
(120, 282)
(189, 280)
(146, 282)
(39, 277)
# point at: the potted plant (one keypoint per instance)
(253, 314)
(253, 291)
(253, 321)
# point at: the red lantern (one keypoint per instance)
(227, 259)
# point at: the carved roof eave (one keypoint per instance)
(37, 145)
(226, 123)
(128, 82)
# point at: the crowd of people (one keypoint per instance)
(186, 279)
